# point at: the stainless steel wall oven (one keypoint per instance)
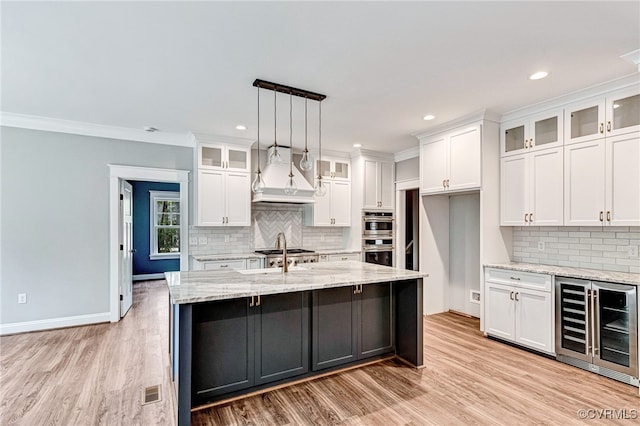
(377, 237)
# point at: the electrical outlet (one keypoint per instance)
(22, 297)
(202, 241)
(226, 238)
(540, 245)
(193, 241)
(633, 251)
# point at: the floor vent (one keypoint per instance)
(151, 395)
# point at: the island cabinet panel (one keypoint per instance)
(240, 343)
(376, 320)
(334, 338)
(351, 323)
(282, 337)
(223, 348)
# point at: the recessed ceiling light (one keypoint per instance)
(538, 75)
(616, 106)
(150, 129)
(429, 117)
(357, 145)
(241, 127)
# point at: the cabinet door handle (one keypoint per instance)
(355, 289)
(531, 144)
(515, 278)
(608, 126)
(601, 127)
(447, 183)
(517, 300)
(601, 216)
(511, 295)
(531, 217)
(526, 215)
(608, 215)
(258, 303)
(526, 143)
(251, 304)
(224, 266)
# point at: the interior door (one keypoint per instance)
(126, 244)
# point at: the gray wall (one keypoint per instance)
(408, 169)
(55, 221)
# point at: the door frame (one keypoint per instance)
(119, 172)
(125, 186)
(401, 243)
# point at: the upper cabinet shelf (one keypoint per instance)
(223, 157)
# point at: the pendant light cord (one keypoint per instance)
(275, 120)
(305, 124)
(319, 137)
(290, 135)
(258, 130)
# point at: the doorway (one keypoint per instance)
(411, 247)
(126, 247)
(117, 174)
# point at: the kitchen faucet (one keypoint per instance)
(285, 265)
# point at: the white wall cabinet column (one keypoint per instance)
(378, 184)
(514, 189)
(622, 154)
(334, 208)
(584, 183)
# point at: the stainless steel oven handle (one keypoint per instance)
(378, 249)
(377, 219)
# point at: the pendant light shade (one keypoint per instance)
(320, 187)
(305, 161)
(290, 188)
(274, 155)
(257, 186)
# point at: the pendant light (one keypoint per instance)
(274, 156)
(305, 161)
(320, 188)
(290, 187)
(258, 184)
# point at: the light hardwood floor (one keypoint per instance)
(95, 375)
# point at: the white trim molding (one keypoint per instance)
(33, 122)
(407, 154)
(48, 324)
(117, 173)
(145, 277)
(403, 185)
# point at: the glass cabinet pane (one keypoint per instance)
(584, 122)
(514, 139)
(324, 167)
(342, 170)
(546, 131)
(626, 112)
(211, 157)
(614, 327)
(237, 159)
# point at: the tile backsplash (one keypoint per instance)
(266, 221)
(612, 248)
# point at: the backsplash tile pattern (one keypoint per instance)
(604, 248)
(267, 220)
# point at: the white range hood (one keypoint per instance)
(275, 177)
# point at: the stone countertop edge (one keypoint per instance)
(337, 251)
(572, 272)
(203, 286)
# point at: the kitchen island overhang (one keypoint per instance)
(230, 330)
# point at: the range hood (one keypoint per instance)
(275, 177)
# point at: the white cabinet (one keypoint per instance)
(343, 257)
(615, 114)
(237, 264)
(379, 182)
(531, 188)
(451, 162)
(223, 185)
(602, 182)
(519, 308)
(334, 208)
(540, 131)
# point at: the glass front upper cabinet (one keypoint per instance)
(213, 156)
(333, 168)
(623, 112)
(532, 133)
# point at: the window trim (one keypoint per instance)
(153, 236)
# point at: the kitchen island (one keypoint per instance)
(238, 332)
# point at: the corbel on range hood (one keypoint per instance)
(275, 176)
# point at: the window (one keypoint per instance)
(165, 224)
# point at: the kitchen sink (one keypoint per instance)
(270, 270)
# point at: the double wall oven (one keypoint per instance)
(377, 237)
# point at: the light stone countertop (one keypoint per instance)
(566, 271)
(337, 251)
(228, 256)
(201, 286)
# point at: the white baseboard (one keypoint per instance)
(47, 324)
(143, 277)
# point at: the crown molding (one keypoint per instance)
(208, 138)
(372, 154)
(407, 154)
(485, 115)
(47, 124)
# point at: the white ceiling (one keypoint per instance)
(185, 67)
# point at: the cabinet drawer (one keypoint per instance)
(224, 264)
(519, 279)
(346, 256)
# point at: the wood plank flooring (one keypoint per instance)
(95, 375)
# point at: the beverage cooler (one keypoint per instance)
(597, 327)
